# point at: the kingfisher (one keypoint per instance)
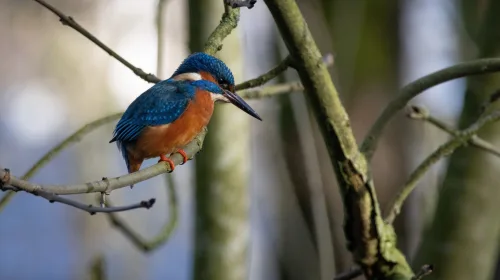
(169, 115)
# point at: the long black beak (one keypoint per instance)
(240, 103)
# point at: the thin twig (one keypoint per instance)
(69, 21)
(166, 232)
(444, 150)
(271, 90)
(85, 207)
(419, 113)
(264, 78)
(353, 273)
(277, 70)
(474, 67)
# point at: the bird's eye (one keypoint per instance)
(223, 84)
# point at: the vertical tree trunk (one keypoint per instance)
(462, 241)
(222, 229)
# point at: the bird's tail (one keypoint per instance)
(133, 164)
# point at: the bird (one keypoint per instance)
(169, 115)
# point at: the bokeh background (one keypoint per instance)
(270, 181)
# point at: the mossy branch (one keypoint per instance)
(371, 242)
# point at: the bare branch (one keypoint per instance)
(278, 69)
(264, 78)
(419, 113)
(444, 150)
(474, 67)
(69, 21)
(85, 207)
(108, 185)
(166, 232)
(272, 90)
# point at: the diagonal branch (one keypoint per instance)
(446, 149)
(69, 21)
(474, 67)
(106, 185)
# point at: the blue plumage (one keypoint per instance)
(202, 62)
(166, 102)
(162, 104)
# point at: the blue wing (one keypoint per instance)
(162, 104)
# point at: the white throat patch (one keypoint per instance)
(187, 77)
(219, 97)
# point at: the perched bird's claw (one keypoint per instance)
(184, 156)
(170, 162)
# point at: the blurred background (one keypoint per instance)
(260, 201)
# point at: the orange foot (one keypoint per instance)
(170, 162)
(184, 156)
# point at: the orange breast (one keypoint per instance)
(167, 139)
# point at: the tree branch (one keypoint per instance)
(372, 243)
(269, 75)
(419, 113)
(444, 150)
(277, 70)
(85, 207)
(470, 68)
(228, 22)
(69, 21)
(107, 185)
(166, 232)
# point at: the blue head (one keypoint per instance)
(201, 66)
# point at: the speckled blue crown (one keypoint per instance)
(202, 62)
